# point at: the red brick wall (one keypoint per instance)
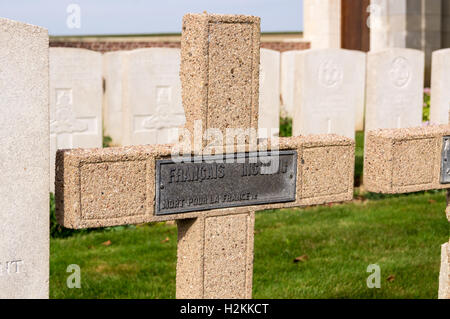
(106, 46)
(286, 46)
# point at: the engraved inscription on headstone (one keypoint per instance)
(445, 160)
(11, 267)
(65, 120)
(220, 181)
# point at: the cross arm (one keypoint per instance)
(116, 186)
(404, 160)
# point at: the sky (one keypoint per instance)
(143, 17)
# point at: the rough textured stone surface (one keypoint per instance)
(444, 275)
(75, 101)
(112, 101)
(269, 93)
(152, 107)
(394, 89)
(215, 256)
(116, 186)
(404, 160)
(24, 158)
(440, 87)
(220, 71)
(329, 91)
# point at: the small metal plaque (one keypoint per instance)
(222, 181)
(445, 160)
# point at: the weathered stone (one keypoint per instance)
(404, 160)
(218, 250)
(116, 186)
(220, 71)
(24, 158)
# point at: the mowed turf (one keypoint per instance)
(402, 234)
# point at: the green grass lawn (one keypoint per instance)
(402, 234)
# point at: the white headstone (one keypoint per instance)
(394, 88)
(76, 93)
(440, 87)
(24, 161)
(287, 81)
(112, 102)
(329, 90)
(269, 93)
(152, 96)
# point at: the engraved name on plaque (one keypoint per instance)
(222, 181)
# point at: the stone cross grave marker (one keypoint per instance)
(410, 160)
(24, 161)
(213, 199)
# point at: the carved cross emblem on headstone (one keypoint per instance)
(213, 198)
(65, 120)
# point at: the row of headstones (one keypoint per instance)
(343, 91)
(325, 91)
(140, 97)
